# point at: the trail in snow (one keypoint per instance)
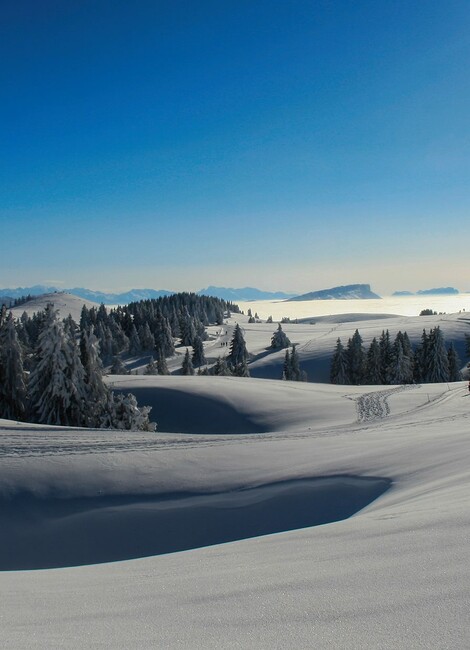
(375, 406)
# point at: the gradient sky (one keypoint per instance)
(286, 145)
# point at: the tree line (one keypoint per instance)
(387, 362)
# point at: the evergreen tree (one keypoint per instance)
(96, 390)
(356, 359)
(12, 376)
(198, 357)
(135, 346)
(146, 337)
(401, 370)
(151, 368)
(279, 339)
(187, 328)
(118, 368)
(122, 412)
(291, 369)
(286, 368)
(221, 368)
(187, 366)
(339, 365)
(57, 382)
(420, 366)
(437, 362)
(238, 355)
(163, 337)
(162, 367)
(373, 372)
(386, 355)
(454, 364)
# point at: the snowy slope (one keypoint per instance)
(316, 339)
(66, 303)
(394, 575)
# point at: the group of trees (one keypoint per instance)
(395, 363)
(151, 326)
(64, 385)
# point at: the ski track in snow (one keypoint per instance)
(375, 406)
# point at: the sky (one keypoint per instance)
(291, 145)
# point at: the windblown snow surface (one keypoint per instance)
(262, 568)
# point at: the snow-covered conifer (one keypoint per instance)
(187, 366)
(373, 374)
(454, 364)
(151, 368)
(356, 359)
(198, 357)
(339, 365)
(438, 364)
(238, 353)
(279, 339)
(12, 376)
(57, 387)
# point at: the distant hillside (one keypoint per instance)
(134, 295)
(65, 303)
(442, 291)
(6, 300)
(347, 292)
(245, 294)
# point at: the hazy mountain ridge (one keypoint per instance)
(439, 291)
(346, 292)
(244, 294)
(133, 295)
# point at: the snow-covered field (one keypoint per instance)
(262, 514)
(393, 575)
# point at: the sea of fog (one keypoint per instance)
(403, 306)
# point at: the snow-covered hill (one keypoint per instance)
(395, 574)
(66, 303)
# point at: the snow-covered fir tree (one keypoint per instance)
(198, 357)
(356, 359)
(135, 346)
(438, 364)
(122, 412)
(118, 368)
(454, 364)
(291, 367)
(12, 376)
(237, 358)
(57, 388)
(221, 368)
(187, 367)
(97, 391)
(401, 369)
(151, 368)
(373, 371)
(339, 365)
(162, 367)
(279, 339)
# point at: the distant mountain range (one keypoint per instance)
(134, 295)
(245, 294)
(441, 291)
(347, 292)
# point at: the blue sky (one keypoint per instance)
(287, 145)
